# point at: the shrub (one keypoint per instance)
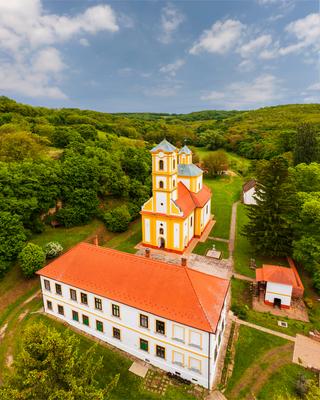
(239, 311)
(309, 302)
(4, 266)
(31, 259)
(118, 219)
(53, 249)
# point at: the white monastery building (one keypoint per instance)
(248, 192)
(167, 315)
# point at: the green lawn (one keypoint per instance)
(203, 247)
(114, 362)
(68, 237)
(283, 382)
(251, 345)
(243, 250)
(225, 191)
(127, 241)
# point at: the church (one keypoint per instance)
(180, 206)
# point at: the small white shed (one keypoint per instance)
(248, 192)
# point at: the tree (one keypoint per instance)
(53, 249)
(12, 236)
(313, 391)
(118, 219)
(306, 149)
(18, 146)
(31, 259)
(306, 177)
(51, 367)
(269, 229)
(216, 162)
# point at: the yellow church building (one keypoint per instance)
(180, 206)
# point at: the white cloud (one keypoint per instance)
(171, 19)
(246, 65)
(221, 38)
(29, 63)
(171, 69)
(84, 42)
(261, 91)
(261, 42)
(315, 86)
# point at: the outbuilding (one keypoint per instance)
(248, 192)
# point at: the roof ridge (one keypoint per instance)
(196, 294)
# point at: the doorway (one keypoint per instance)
(162, 243)
(277, 303)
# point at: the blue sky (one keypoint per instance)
(177, 56)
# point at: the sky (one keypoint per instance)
(160, 56)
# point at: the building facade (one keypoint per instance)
(180, 206)
(180, 331)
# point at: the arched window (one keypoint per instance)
(174, 164)
(161, 184)
(161, 231)
(191, 221)
(161, 165)
(174, 183)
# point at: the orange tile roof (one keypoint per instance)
(188, 201)
(276, 274)
(173, 292)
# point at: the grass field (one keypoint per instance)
(203, 247)
(114, 362)
(283, 382)
(249, 362)
(225, 191)
(127, 240)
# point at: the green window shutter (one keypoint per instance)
(99, 326)
(75, 316)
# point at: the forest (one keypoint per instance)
(85, 164)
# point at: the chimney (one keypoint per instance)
(147, 252)
(96, 240)
(184, 261)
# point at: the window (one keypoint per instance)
(58, 289)
(178, 358)
(75, 316)
(60, 310)
(160, 327)
(215, 353)
(144, 321)
(116, 333)
(160, 352)
(222, 325)
(47, 285)
(174, 164)
(161, 231)
(207, 208)
(174, 183)
(195, 364)
(98, 303)
(115, 310)
(144, 345)
(85, 320)
(161, 184)
(191, 221)
(73, 295)
(99, 326)
(49, 305)
(219, 338)
(84, 298)
(161, 165)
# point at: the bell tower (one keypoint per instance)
(185, 155)
(164, 176)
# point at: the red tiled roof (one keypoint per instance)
(188, 201)
(173, 292)
(249, 185)
(276, 274)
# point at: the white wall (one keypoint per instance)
(147, 229)
(176, 235)
(185, 181)
(278, 291)
(248, 197)
(180, 341)
(161, 202)
(206, 213)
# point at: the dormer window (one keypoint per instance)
(161, 165)
(161, 184)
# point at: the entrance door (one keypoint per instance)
(277, 303)
(162, 243)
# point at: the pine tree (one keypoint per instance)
(306, 149)
(269, 228)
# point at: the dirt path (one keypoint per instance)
(232, 233)
(260, 371)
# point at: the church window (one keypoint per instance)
(174, 164)
(207, 208)
(174, 183)
(161, 165)
(161, 184)
(191, 221)
(161, 231)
